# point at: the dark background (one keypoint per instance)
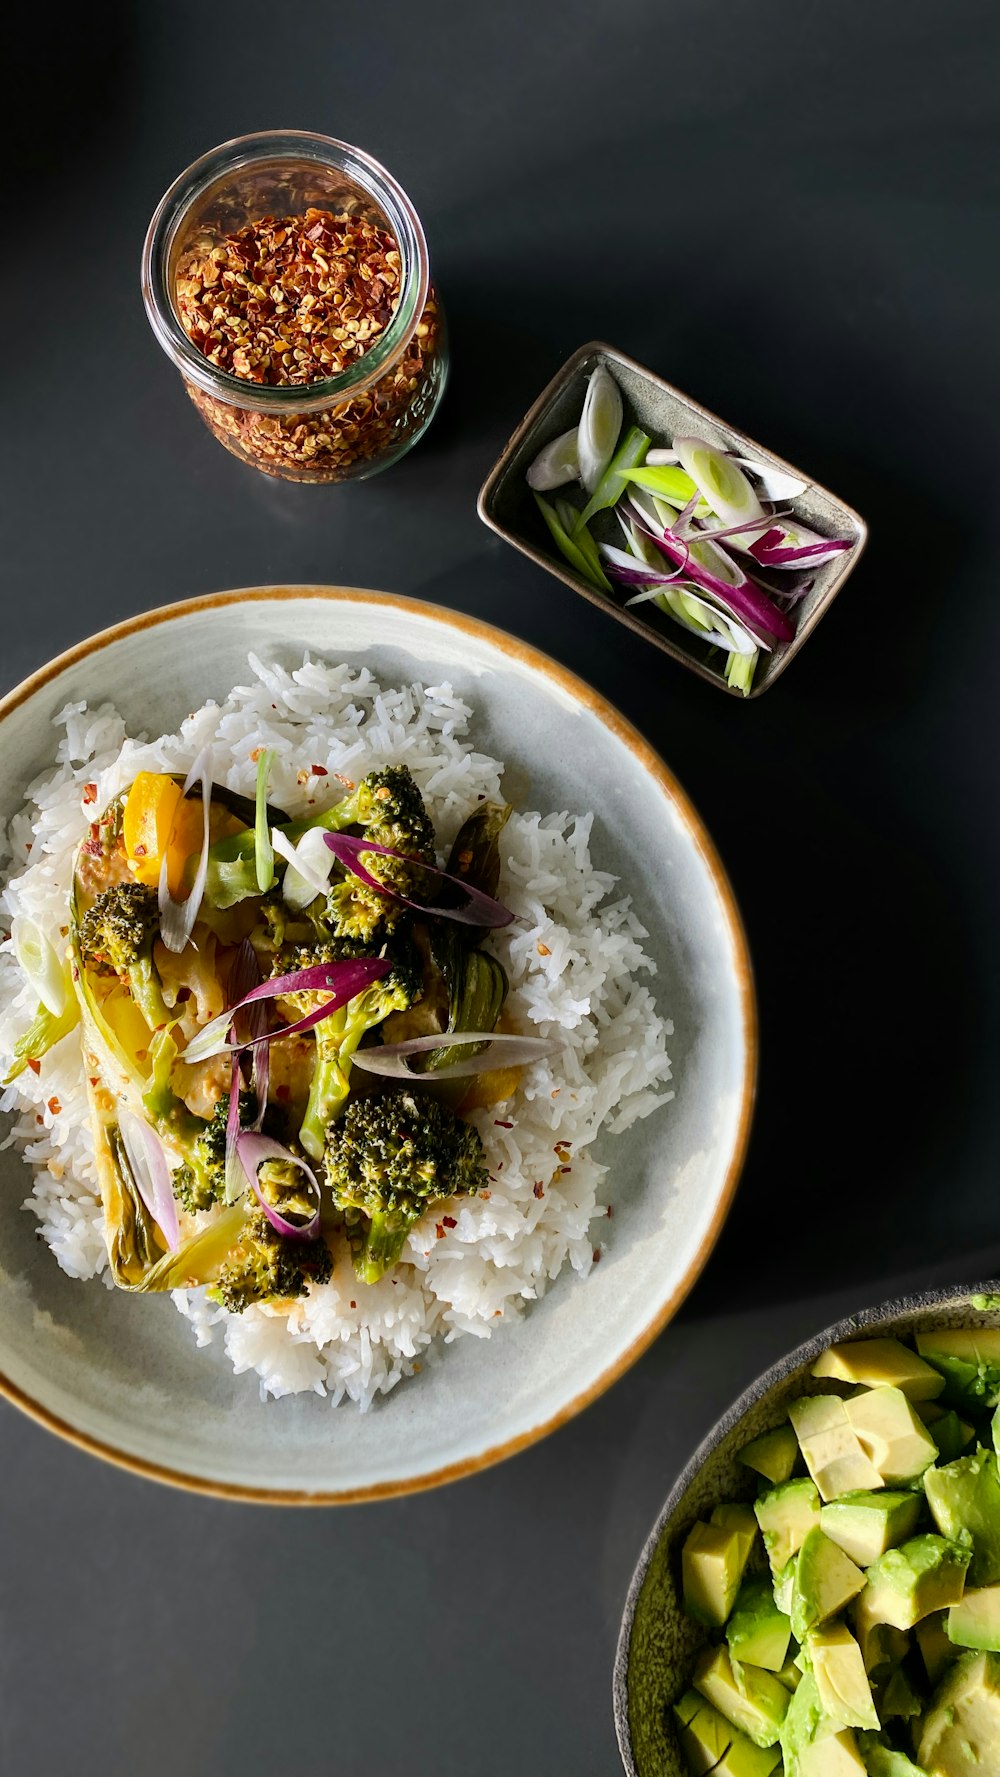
(791, 211)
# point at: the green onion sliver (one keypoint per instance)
(263, 849)
(631, 451)
(580, 550)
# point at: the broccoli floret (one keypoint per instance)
(338, 1036)
(390, 808)
(201, 1180)
(116, 937)
(264, 1265)
(391, 1157)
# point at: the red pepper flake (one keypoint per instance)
(565, 1169)
(39, 1118)
(499, 1123)
(92, 847)
(543, 949)
(54, 1106)
(255, 755)
(94, 1081)
(141, 851)
(348, 782)
(35, 1066)
(353, 1304)
(440, 1230)
(486, 1193)
(449, 1221)
(284, 1093)
(539, 1189)
(90, 793)
(320, 771)
(609, 1212)
(597, 1255)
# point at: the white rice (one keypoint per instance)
(576, 967)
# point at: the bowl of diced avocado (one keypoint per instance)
(820, 1595)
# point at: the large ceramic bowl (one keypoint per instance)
(658, 1643)
(122, 1375)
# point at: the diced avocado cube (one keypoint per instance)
(876, 1363)
(891, 1435)
(885, 1761)
(791, 1673)
(840, 1675)
(772, 1455)
(758, 1633)
(831, 1448)
(951, 1435)
(744, 1759)
(752, 1700)
(812, 1745)
(936, 1649)
(864, 1525)
(882, 1646)
(786, 1515)
(825, 1581)
(969, 1360)
(960, 1732)
(784, 1586)
(925, 1574)
(964, 1496)
(899, 1701)
(712, 1564)
(975, 1620)
(741, 1520)
(703, 1733)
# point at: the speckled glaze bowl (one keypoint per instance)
(658, 1643)
(121, 1375)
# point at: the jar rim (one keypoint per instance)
(271, 147)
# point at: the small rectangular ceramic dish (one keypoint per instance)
(506, 504)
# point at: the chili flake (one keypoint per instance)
(54, 1106)
(35, 1066)
(90, 792)
(449, 1221)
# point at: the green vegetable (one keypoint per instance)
(197, 1260)
(671, 483)
(201, 1180)
(580, 550)
(263, 849)
(263, 1265)
(44, 1032)
(391, 1157)
(117, 936)
(630, 453)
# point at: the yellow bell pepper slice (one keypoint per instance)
(156, 822)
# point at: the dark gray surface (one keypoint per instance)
(790, 211)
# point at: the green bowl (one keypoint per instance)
(658, 1643)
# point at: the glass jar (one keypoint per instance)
(323, 427)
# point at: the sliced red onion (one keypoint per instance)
(556, 464)
(792, 546)
(342, 981)
(479, 909)
(151, 1172)
(252, 1150)
(738, 530)
(177, 917)
(745, 601)
(631, 572)
(501, 1050)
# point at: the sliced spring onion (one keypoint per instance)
(740, 670)
(309, 865)
(253, 1150)
(670, 483)
(477, 909)
(177, 917)
(341, 981)
(600, 424)
(197, 1260)
(151, 1173)
(574, 549)
(556, 464)
(43, 1033)
(390, 1060)
(630, 452)
(772, 483)
(720, 480)
(39, 963)
(658, 456)
(263, 850)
